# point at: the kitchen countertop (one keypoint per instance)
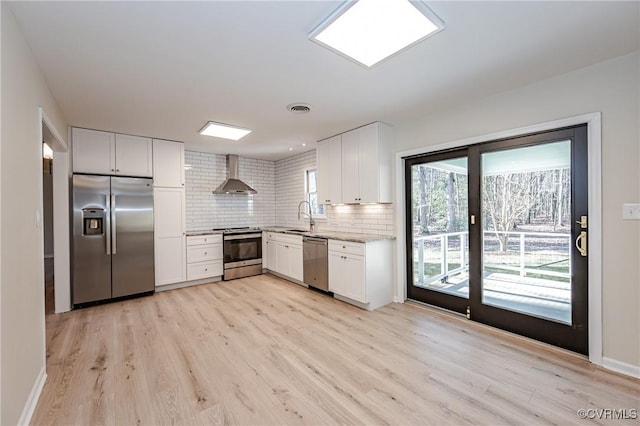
(205, 232)
(342, 236)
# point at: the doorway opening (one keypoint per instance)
(47, 224)
(54, 217)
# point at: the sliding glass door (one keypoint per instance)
(439, 230)
(499, 231)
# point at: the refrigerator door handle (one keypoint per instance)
(113, 223)
(107, 234)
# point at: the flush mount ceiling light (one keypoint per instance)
(225, 131)
(369, 31)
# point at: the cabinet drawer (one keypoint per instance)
(199, 270)
(204, 239)
(204, 252)
(286, 239)
(347, 247)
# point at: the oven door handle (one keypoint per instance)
(242, 236)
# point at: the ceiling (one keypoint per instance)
(163, 69)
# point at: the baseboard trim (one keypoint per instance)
(32, 401)
(621, 367)
(184, 284)
(284, 277)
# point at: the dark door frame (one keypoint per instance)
(594, 141)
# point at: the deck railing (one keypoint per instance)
(461, 251)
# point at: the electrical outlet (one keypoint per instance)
(631, 211)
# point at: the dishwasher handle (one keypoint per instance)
(314, 240)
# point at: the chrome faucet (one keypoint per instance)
(301, 213)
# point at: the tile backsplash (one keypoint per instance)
(363, 219)
(289, 174)
(280, 187)
(206, 210)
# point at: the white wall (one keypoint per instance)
(206, 210)
(24, 89)
(613, 88)
(361, 219)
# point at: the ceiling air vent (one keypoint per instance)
(299, 108)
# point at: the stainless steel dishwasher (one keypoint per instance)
(316, 262)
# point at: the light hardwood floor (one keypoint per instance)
(260, 350)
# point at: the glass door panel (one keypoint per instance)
(439, 231)
(526, 230)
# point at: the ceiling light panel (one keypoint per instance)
(225, 131)
(369, 31)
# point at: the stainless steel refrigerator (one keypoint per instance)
(112, 237)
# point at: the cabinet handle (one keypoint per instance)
(205, 252)
(205, 269)
(113, 170)
(287, 246)
(118, 170)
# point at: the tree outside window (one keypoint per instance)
(311, 190)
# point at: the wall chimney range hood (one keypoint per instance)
(233, 185)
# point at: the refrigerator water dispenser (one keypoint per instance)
(92, 221)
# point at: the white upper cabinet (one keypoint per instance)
(134, 156)
(350, 177)
(355, 167)
(366, 164)
(93, 151)
(111, 154)
(168, 164)
(329, 161)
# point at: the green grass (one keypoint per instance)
(432, 269)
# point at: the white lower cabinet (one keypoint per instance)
(282, 258)
(204, 256)
(284, 255)
(169, 265)
(361, 273)
(169, 239)
(347, 276)
(296, 262)
(271, 252)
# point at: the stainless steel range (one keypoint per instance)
(242, 252)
